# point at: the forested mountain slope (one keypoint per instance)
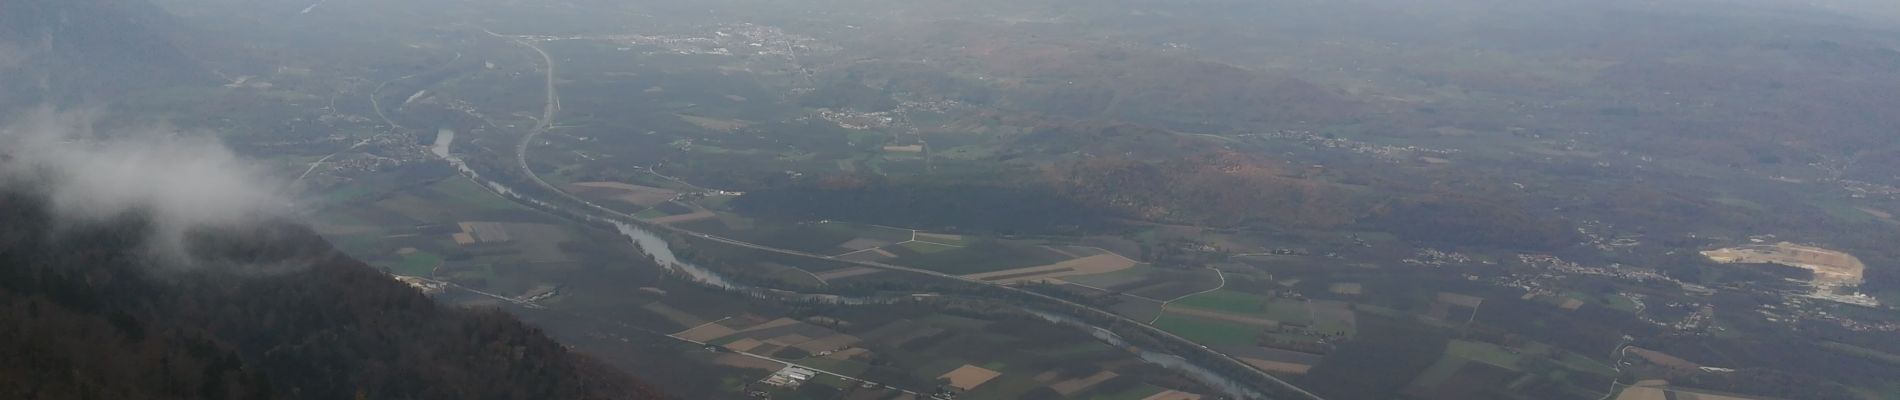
(88, 310)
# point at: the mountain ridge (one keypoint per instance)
(263, 312)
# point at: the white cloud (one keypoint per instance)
(183, 181)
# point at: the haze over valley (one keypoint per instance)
(847, 199)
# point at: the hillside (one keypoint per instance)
(271, 312)
(69, 52)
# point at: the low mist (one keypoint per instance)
(183, 181)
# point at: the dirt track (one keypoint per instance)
(1095, 264)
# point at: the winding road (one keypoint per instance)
(546, 121)
(1164, 305)
(550, 111)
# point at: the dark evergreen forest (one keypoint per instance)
(88, 310)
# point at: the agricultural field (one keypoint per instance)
(1484, 353)
(1346, 288)
(1099, 263)
(1135, 274)
(1469, 366)
(1290, 311)
(1137, 308)
(905, 346)
(1227, 301)
(1139, 392)
(1273, 360)
(1149, 282)
(1662, 391)
(983, 256)
(1334, 317)
(416, 263)
(452, 229)
(626, 198)
(1207, 331)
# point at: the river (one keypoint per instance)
(662, 253)
(1169, 361)
(649, 243)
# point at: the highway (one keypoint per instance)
(553, 106)
(548, 113)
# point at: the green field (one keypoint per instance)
(419, 263)
(351, 193)
(847, 367)
(1862, 351)
(1483, 352)
(357, 244)
(952, 321)
(1739, 202)
(1286, 310)
(1586, 364)
(1074, 350)
(1227, 301)
(1139, 272)
(1207, 332)
(982, 257)
(470, 195)
(928, 248)
(790, 274)
(1621, 303)
(651, 213)
(1003, 387)
(1439, 372)
(1335, 327)
(965, 240)
(893, 235)
(1846, 212)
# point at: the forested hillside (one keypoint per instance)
(88, 310)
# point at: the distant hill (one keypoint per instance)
(265, 312)
(1021, 69)
(66, 52)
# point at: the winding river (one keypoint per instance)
(649, 243)
(656, 247)
(1170, 361)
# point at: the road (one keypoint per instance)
(1622, 351)
(313, 166)
(1164, 305)
(511, 300)
(550, 112)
